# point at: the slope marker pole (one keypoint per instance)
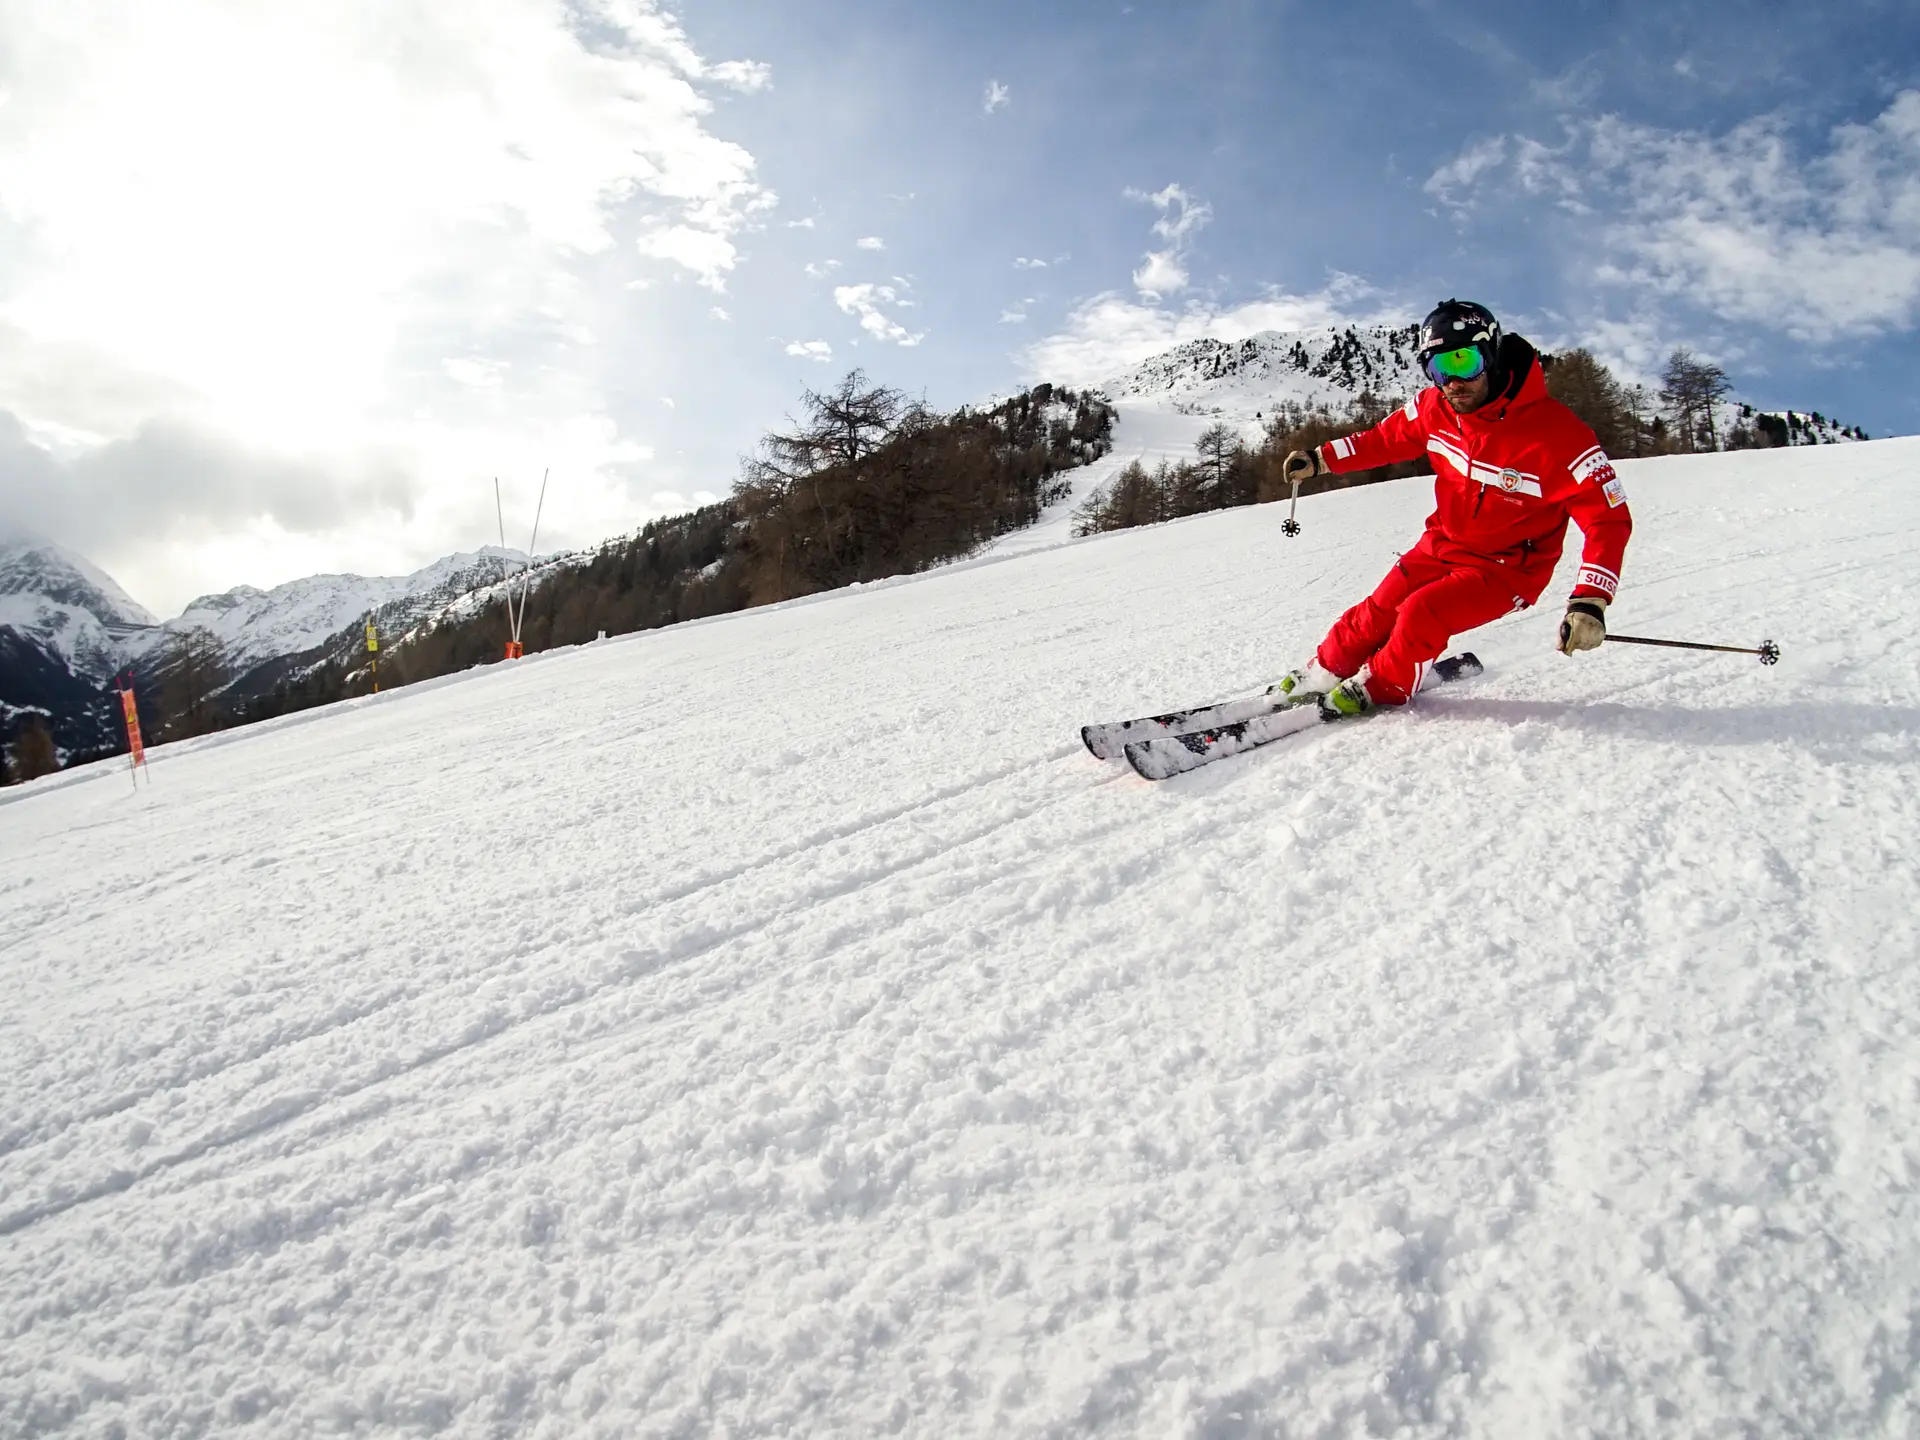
(513, 621)
(526, 572)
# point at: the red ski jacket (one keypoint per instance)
(1508, 477)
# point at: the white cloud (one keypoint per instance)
(1822, 247)
(480, 374)
(806, 224)
(863, 302)
(998, 97)
(709, 254)
(719, 313)
(1572, 89)
(1465, 169)
(1164, 271)
(266, 224)
(746, 76)
(1109, 333)
(811, 350)
(1162, 274)
(1013, 317)
(1022, 262)
(870, 242)
(822, 270)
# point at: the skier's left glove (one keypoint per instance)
(1301, 465)
(1584, 626)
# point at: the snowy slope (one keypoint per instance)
(583, 1048)
(1146, 431)
(1791, 426)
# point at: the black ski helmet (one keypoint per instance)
(1456, 324)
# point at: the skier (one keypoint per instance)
(1512, 465)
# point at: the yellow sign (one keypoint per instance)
(373, 639)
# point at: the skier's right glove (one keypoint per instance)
(1302, 465)
(1585, 625)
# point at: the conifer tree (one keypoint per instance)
(1586, 387)
(196, 669)
(1217, 447)
(1689, 389)
(33, 752)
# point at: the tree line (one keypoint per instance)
(863, 485)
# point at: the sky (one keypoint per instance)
(286, 289)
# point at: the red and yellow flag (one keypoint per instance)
(134, 747)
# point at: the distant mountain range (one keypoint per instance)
(255, 625)
(66, 628)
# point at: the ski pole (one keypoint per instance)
(1768, 652)
(1291, 526)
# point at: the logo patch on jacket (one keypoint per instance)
(1611, 488)
(1592, 465)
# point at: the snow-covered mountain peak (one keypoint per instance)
(458, 566)
(60, 575)
(70, 609)
(226, 600)
(1320, 367)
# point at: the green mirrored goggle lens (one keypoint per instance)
(1461, 364)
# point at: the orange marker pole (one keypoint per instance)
(136, 752)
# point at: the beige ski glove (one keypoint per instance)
(1302, 465)
(1585, 625)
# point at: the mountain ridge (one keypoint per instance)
(254, 624)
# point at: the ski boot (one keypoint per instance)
(1346, 700)
(1309, 682)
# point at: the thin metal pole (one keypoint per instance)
(513, 625)
(526, 574)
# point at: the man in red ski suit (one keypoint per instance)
(1512, 465)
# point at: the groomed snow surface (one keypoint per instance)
(780, 1026)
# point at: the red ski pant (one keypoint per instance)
(1405, 624)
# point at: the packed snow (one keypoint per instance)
(779, 1025)
(1149, 433)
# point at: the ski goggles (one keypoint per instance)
(1465, 363)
